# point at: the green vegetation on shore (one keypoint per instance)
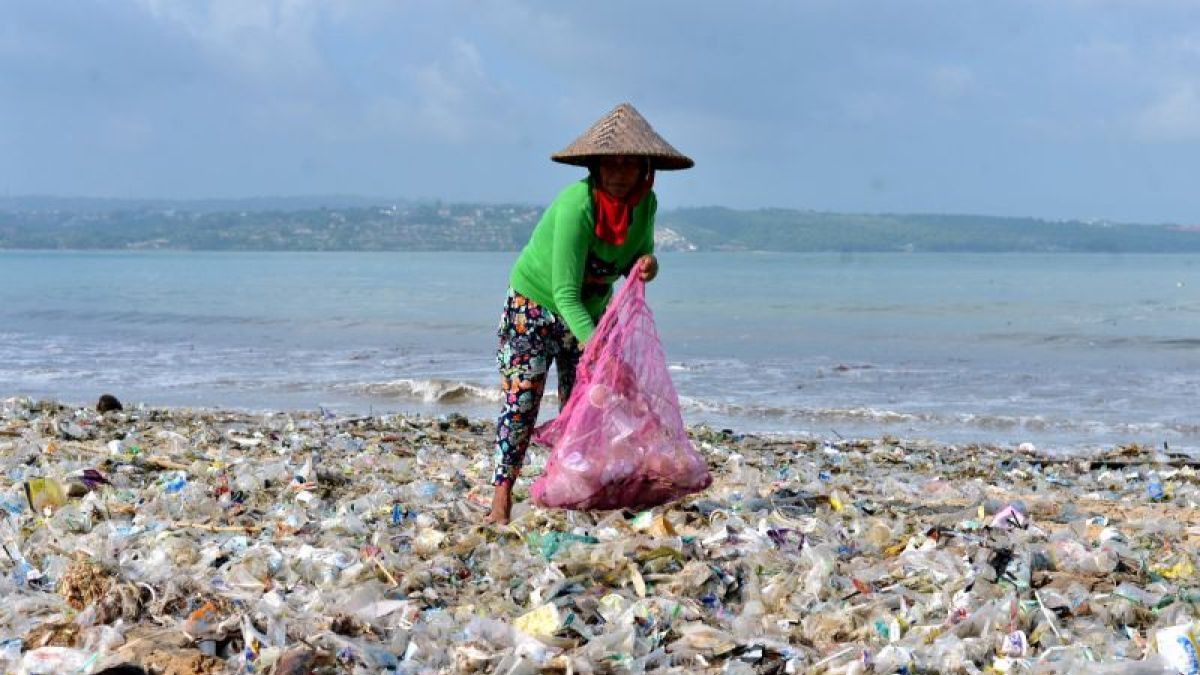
(346, 224)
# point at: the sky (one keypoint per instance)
(1045, 108)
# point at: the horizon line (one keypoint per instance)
(386, 201)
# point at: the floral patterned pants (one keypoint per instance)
(531, 338)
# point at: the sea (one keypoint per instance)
(1069, 352)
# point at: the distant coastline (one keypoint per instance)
(369, 224)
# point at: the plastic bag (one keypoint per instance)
(620, 441)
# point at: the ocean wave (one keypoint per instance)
(431, 391)
(1091, 340)
(132, 317)
(933, 421)
(1180, 343)
(871, 415)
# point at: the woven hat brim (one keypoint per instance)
(659, 162)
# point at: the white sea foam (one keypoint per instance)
(433, 390)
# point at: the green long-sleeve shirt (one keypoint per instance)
(566, 268)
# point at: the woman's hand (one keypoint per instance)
(647, 267)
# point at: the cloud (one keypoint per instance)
(1188, 45)
(952, 82)
(448, 91)
(1099, 56)
(448, 98)
(255, 96)
(262, 40)
(869, 107)
(1174, 117)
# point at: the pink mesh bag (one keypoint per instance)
(620, 440)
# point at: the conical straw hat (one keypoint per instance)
(623, 131)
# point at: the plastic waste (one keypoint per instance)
(542, 621)
(620, 441)
(1154, 489)
(1177, 645)
(45, 494)
(549, 544)
(55, 661)
(821, 555)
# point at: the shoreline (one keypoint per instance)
(358, 541)
(1011, 433)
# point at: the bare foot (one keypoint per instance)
(501, 505)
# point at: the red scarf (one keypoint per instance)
(613, 215)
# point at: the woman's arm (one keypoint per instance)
(647, 263)
(571, 237)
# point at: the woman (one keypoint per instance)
(595, 230)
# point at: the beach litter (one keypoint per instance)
(620, 442)
(288, 543)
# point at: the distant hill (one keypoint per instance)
(372, 224)
(716, 228)
(110, 205)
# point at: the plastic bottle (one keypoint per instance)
(1154, 490)
(175, 485)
